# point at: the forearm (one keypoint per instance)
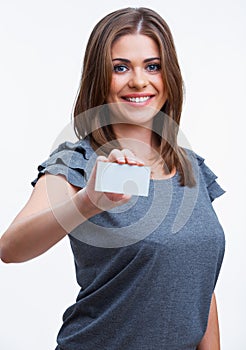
(35, 234)
(54, 209)
(211, 338)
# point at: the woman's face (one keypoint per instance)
(137, 82)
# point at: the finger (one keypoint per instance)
(124, 156)
(117, 156)
(102, 159)
(131, 158)
(117, 197)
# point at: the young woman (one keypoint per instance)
(147, 266)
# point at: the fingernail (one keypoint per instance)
(121, 160)
(131, 160)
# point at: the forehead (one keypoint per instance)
(134, 45)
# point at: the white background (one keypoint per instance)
(42, 44)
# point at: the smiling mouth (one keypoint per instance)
(137, 99)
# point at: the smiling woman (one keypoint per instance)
(137, 77)
(135, 37)
(147, 266)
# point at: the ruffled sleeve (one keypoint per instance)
(213, 188)
(69, 159)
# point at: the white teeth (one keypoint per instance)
(138, 99)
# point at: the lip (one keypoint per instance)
(143, 94)
(138, 95)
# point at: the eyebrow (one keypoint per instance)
(145, 61)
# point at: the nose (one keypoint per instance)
(138, 80)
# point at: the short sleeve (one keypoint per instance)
(210, 179)
(69, 159)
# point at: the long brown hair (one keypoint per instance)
(96, 79)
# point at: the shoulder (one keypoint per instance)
(204, 174)
(81, 146)
(68, 159)
(193, 155)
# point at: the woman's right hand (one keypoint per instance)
(106, 200)
(52, 212)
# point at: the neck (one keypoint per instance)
(140, 140)
(135, 132)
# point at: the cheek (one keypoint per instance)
(159, 84)
(162, 90)
(117, 83)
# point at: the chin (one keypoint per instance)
(123, 113)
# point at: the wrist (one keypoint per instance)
(85, 205)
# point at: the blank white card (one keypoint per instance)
(122, 178)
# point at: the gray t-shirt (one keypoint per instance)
(147, 269)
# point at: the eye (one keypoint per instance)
(119, 68)
(153, 67)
